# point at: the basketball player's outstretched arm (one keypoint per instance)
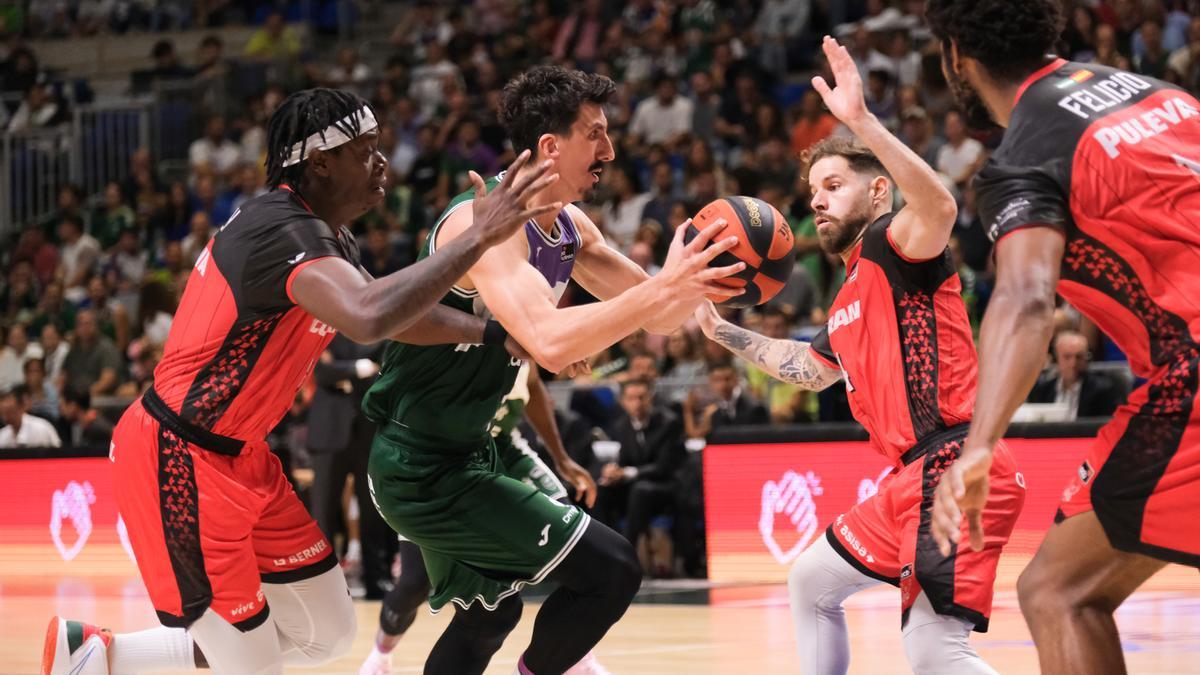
(519, 297)
(921, 230)
(1013, 338)
(335, 292)
(540, 413)
(606, 273)
(790, 361)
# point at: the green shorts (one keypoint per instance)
(483, 534)
(521, 462)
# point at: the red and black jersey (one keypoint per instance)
(898, 330)
(1112, 160)
(240, 346)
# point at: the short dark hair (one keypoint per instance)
(546, 100)
(860, 157)
(80, 397)
(162, 48)
(21, 391)
(637, 382)
(1009, 37)
(301, 115)
(212, 41)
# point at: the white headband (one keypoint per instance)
(332, 136)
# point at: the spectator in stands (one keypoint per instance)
(93, 363)
(21, 70)
(640, 483)
(722, 403)
(813, 123)
(41, 108)
(1183, 66)
(275, 41)
(166, 63)
(663, 119)
(349, 72)
(427, 176)
(682, 360)
(70, 203)
(1108, 53)
(54, 349)
(39, 253)
(247, 184)
(468, 152)
(43, 397)
(622, 212)
(962, 155)
(916, 130)
(214, 150)
(663, 196)
(706, 107)
(1087, 394)
(111, 317)
(174, 222)
(777, 28)
(581, 35)
(126, 267)
(212, 64)
(79, 255)
(53, 310)
(18, 295)
(112, 217)
(82, 424)
(428, 79)
(205, 196)
(197, 239)
(380, 257)
(17, 350)
(23, 430)
(1152, 60)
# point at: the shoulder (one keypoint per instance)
(589, 234)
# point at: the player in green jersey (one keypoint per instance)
(435, 473)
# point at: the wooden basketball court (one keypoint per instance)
(673, 628)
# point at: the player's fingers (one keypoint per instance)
(975, 529)
(821, 86)
(717, 248)
(480, 186)
(532, 183)
(714, 273)
(706, 235)
(680, 233)
(511, 174)
(716, 290)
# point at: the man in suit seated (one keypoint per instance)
(722, 403)
(641, 483)
(1086, 394)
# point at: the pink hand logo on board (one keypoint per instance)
(74, 504)
(788, 519)
(868, 487)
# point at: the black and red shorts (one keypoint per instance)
(1142, 473)
(209, 527)
(888, 536)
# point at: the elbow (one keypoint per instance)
(551, 358)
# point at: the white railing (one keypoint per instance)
(89, 151)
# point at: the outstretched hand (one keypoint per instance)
(499, 213)
(845, 100)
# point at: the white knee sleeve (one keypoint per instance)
(229, 651)
(315, 618)
(940, 645)
(818, 582)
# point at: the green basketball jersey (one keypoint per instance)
(452, 392)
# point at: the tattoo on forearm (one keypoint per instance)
(787, 360)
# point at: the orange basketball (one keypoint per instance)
(765, 244)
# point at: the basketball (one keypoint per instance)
(765, 244)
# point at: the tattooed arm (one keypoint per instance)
(787, 360)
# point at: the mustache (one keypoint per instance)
(596, 167)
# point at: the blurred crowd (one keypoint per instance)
(713, 99)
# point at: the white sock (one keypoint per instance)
(151, 650)
(354, 550)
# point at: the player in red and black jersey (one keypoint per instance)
(899, 337)
(1093, 192)
(225, 547)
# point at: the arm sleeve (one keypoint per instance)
(1011, 198)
